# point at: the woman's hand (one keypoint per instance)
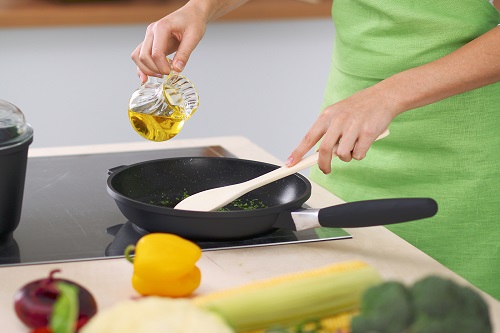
(357, 120)
(354, 123)
(178, 32)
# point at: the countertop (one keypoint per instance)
(109, 279)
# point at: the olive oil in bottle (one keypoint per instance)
(159, 109)
(156, 128)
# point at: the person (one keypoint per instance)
(427, 70)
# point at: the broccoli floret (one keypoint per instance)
(386, 308)
(442, 306)
(432, 305)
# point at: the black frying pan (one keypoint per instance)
(146, 192)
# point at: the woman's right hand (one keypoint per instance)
(178, 32)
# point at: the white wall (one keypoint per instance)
(262, 80)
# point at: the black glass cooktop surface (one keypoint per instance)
(68, 214)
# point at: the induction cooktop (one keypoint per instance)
(68, 215)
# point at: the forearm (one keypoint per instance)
(474, 65)
(213, 9)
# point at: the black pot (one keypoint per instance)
(15, 137)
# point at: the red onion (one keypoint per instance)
(34, 301)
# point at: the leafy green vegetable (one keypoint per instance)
(65, 312)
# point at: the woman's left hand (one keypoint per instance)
(354, 123)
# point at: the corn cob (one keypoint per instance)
(293, 299)
(338, 323)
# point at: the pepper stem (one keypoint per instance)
(128, 250)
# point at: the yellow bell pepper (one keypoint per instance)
(165, 265)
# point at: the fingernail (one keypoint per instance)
(179, 65)
(289, 161)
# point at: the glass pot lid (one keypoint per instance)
(14, 129)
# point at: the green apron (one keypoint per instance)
(449, 151)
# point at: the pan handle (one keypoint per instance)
(115, 169)
(377, 212)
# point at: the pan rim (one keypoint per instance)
(113, 172)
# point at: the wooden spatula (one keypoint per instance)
(216, 198)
